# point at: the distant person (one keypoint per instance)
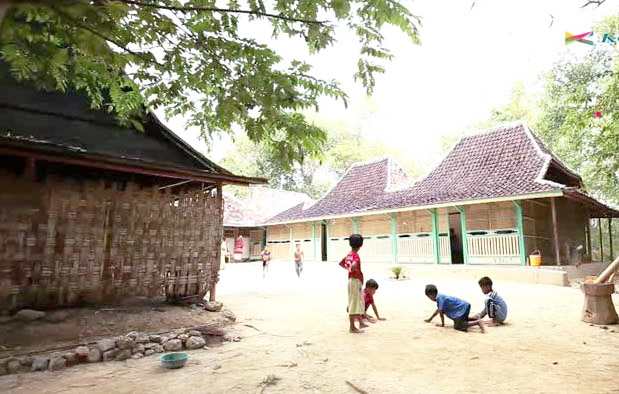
(352, 264)
(368, 299)
(224, 254)
(456, 309)
(494, 306)
(239, 244)
(266, 257)
(298, 260)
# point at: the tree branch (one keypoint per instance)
(597, 3)
(221, 10)
(108, 39)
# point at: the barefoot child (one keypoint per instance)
(494, 306)
(352, 263)
(368, 299)
(266, 257)
(298, 260)
(456, 309)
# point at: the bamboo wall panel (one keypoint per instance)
(302, 230)
(374, 225)
(340, 227)
(414, 222)
(65, 242)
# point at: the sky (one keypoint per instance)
(467, 64)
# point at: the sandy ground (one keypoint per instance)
(303, 340)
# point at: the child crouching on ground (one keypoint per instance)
(494, 306)
(456, 309)
(352, 263)
(368, 298)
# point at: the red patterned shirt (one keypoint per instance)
(352, 263)
(368, 298)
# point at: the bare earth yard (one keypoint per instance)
(299, 333)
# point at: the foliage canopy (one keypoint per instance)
(192, 58)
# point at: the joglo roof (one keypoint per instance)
(505, 161)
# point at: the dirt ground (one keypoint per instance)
(299, 334)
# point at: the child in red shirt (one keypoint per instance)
(352, 263)
(368, 299)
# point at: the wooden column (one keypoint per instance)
(314, 239)
(437, 247)
(555, 230)
(520, 220)
(465, 246)
(610, 238)
(588, 228)
(601, 240)
(30, 171)
(394, 236)
(215, 272)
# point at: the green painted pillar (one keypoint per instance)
(328, 239)
(394, 237)
(610, 238)
(520, 221)
(437, 246)
(314, 239)
(465, 246)
(355, 225)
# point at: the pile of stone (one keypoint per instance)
(133, 345)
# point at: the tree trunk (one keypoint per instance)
(4, 7)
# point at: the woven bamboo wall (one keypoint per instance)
(66, 242)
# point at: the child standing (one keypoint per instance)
(494, 306)
(368, 299)
(352, 263)
(456, 309)
(298, 260)
(266, 257)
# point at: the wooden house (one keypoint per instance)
(246, 215)
(93, 212)
(497, 197)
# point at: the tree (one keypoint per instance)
(577, 114)
(344, 146)
(191, 58)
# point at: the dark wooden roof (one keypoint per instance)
(64, 125)
(506, 161)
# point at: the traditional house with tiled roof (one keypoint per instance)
(496, 197)
(246, 215)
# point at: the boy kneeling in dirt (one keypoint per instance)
(456, 309)
(368, 297)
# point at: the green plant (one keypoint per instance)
(398, 271)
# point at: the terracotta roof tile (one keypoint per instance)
(505, 161)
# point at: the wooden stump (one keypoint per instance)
(598, 307)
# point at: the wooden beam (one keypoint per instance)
(610, 238)
(215, 275)
(521, 246)
(601, 240)
(589, 251)
(120, 165)
(555, 230)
